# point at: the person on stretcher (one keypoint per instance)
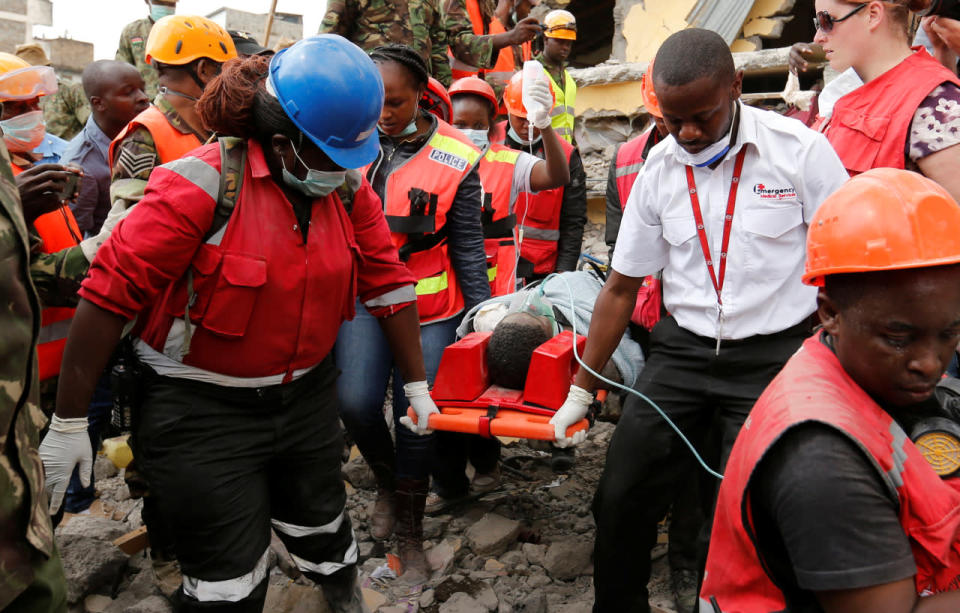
(520, 323)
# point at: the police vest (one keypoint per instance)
(419, 195)
(496, 170)
(869, 126)
(539, 219)
(562, 115)
(58, 229)
(171, 143)
(814, 387)
(505, 65)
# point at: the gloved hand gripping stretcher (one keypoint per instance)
(469, 403)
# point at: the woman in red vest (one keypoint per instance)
(427, 179)
(239, 265)
(505, 173)
(906, 113)
(831, 500)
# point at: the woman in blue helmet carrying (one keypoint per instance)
(237, 311)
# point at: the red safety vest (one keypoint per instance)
(496, 170)
(814, 387)
(505, 65)
(539, 221)
(419, 195)
(869, 126)
(58, 230)
(171, 143)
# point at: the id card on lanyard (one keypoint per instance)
(717, 277)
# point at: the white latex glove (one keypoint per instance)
(118, 211)
(418, 395)
(539, 90)
(573, 409)
(65, 445)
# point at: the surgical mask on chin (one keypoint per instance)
(480, 138)
(318, 183)
(526, 143)
(24, 132)
(159, 11)
(709, 155)
(410, 129)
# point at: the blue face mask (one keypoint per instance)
(318, 183)
(159, 11)
(480, 138)
(526, 143)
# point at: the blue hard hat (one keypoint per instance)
(333, 92)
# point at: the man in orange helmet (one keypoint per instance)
(826, 502)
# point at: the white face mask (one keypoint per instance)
(480, 138)
(24, 132)
(709, 155)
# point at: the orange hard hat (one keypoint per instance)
(21, 81)
(477, 87)
(883, 219)
(513, 96)
(436, 100)
(650, 101)
(560, 24)
(181, 39)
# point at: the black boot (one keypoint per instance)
(410, 500)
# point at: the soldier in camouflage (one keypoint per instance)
(372, 23)
(66, 111)
(133, 40)
(31, 576)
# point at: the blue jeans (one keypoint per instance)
(364, 357)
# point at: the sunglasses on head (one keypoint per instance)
(825, 21)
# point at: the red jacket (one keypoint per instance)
(814, 387)
(266, 303)
(869, 126)
(540, 224)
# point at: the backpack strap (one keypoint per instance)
(233, 161)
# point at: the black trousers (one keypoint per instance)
(226, 463)
(453, 449)
(708, 397)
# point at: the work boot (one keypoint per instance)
(410, 500)
(345, 596)
(382, 514)
(486, 482)
(684, 589)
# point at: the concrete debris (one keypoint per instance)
(493, 534)
(534, 602)
(285, 595)
(359, 474)
(96, 603)
(570, 558)
(159, 604)
(462, 603)
(89, 564)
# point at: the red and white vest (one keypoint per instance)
(869, 126)
(539, 221)
(814, 387)
(419, 196)
(497, 167)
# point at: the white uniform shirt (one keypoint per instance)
(788, 171)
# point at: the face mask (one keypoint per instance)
(526, 143)
(318, 183)
(709, 155)
(536, 304)
(159, 11)
(410, 129)
(24, 132)
(480, 138)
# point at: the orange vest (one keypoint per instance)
(58, 229)
(539, 219)
(869, 126)
(171, 143)
(496, 170)
(505, 65)
(419, 195)
(814, 387)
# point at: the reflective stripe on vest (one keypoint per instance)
(56, 331)
(170, 142)
(540, 234)
(563, 112)
(629, 161)
(505, 155)
(432, 285)
(814, 387)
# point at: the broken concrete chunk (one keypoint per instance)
(534, 602)
(461, 602)
(535, 554)
(89, 564)
(569, 558)
(493, 534)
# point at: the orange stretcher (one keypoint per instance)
(468, 403)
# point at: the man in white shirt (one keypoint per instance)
(722, 206)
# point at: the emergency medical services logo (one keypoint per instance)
(774, 193)
(453, 161)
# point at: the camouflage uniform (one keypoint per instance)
(464, 44)
(415, 23)
(65, 112)
(136, 156)
(131, 50)
(28, 555)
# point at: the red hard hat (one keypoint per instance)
(436, 100)
(476, 86)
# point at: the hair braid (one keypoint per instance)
(406, 57)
